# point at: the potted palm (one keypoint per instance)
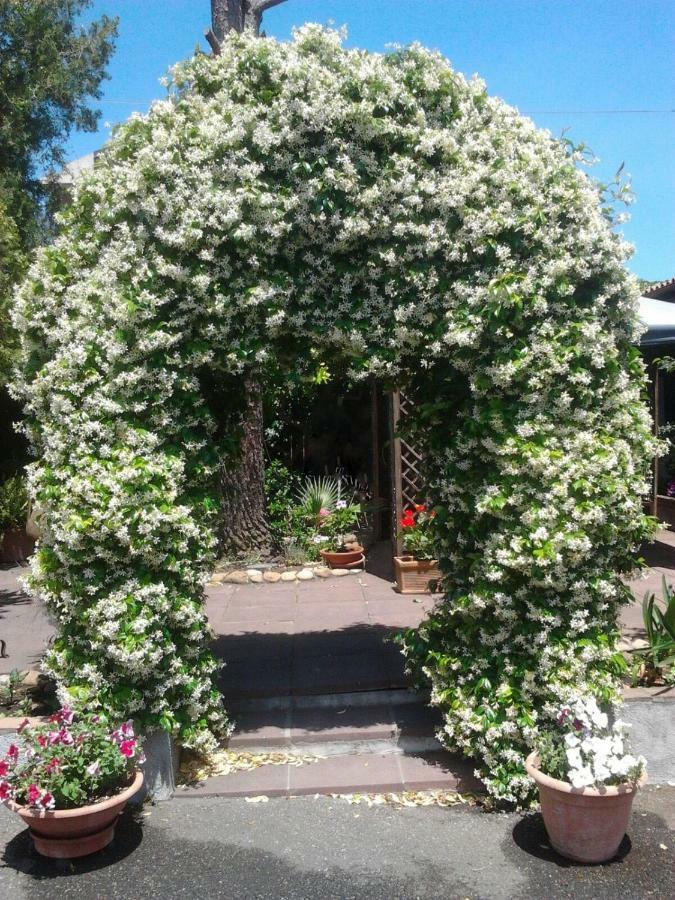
(587, 782)
(70, 779)
(416, 570)
(333, 514)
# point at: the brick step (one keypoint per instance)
(339, 729)
(348, 774)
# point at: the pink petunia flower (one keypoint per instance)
(6, 791)
(67, 715)
(13, 752)
(46, 801)
(66, 737)
(4, 768)
(34, 794)
(128, 748)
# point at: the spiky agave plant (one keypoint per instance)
(318, 493)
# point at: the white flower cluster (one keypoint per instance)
(297, 196)
(595, 750)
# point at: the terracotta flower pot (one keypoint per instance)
(348, 559)
(584, 824)
(69, 833)
(414, 576)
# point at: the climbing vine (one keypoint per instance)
(383, 210)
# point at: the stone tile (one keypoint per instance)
(362, 639)
(416, 720)
(329, 590)
(276, 612)
(360, 723)
(443, 771)
(347, 774)
(343, 673)
(254, 645)
(272, 781)
(271, 727)
(255, 678)
(337, 614)
(284, 627)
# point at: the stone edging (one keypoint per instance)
(252, 575)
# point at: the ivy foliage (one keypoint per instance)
(299, 199)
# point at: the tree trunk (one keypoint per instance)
(244, 525)
(236, 15)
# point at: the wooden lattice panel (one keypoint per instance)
(412, 485)
(407, 483)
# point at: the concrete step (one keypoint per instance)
(346, 699)
(347, 774)
(339, 729)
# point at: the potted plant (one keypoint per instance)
(417, 570)
(340, 548)
(332, 517)
(587, 782)
(15, 544)
(70, 779)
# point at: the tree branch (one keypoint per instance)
(212, 41)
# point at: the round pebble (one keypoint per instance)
(272, 577)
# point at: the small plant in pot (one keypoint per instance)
(417, 569)
(70, 779)
(339, 545)
(330, 509)
(587, 782)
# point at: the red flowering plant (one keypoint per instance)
(417, 532)
(69, 762)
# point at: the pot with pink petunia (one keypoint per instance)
(69, 779)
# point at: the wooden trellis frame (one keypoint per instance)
(407, 484)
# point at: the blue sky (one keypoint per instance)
(568, 64)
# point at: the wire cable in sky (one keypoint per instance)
(529, 112)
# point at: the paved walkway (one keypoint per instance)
(312, 635)
(327, 849)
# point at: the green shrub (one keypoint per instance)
(13, 503)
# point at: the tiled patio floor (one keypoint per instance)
(313, 637)
(316, 636)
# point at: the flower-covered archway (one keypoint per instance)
(299, 197)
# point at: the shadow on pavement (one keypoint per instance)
(21, 855)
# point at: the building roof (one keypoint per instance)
(72, 170)
(659, 317)
(662, 290)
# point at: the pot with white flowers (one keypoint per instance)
(587, 782)
(70, 779)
